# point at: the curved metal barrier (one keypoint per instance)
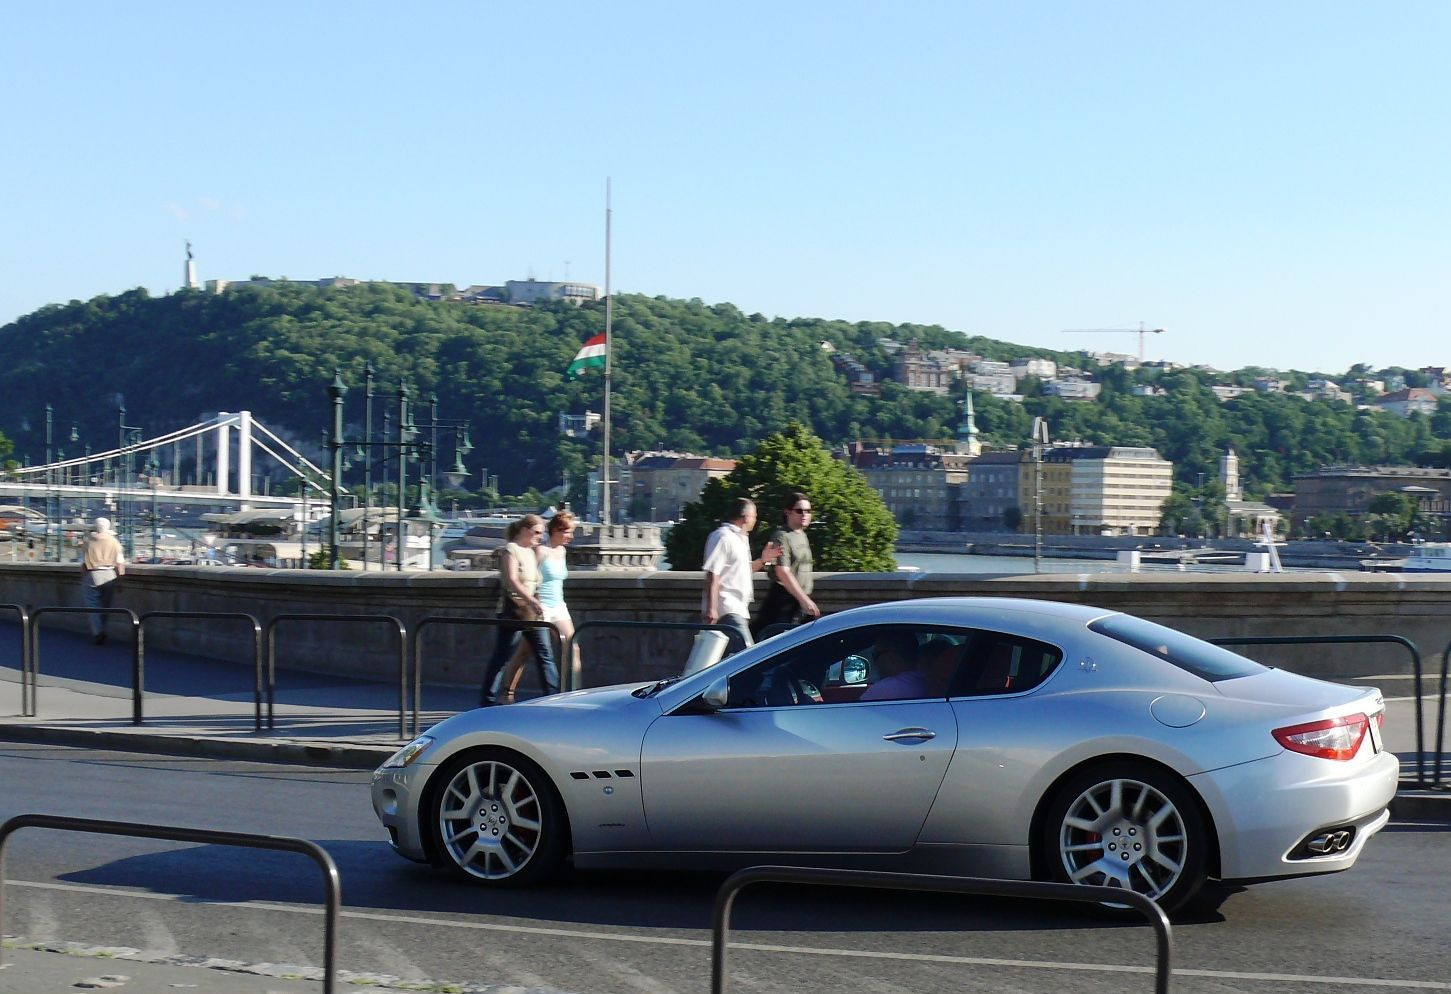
(725, 899)
(1441, 717)
(1406, 643)
(402, 631)
(138, 665)
(239, 616)
(693, 626)
(170, 834)
(518, 624)
(27, 707)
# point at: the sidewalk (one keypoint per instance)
(206, 707)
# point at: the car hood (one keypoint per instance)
(594, 698)
(1291, 690)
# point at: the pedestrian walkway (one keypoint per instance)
(202, 706)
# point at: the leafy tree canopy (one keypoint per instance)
(852, 529)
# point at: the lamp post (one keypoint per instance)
(409, 446)
(125, 480)
(1040, 439)
(50, 515)
(336, 392)
(152, 469)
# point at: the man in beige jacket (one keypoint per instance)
(104, 563)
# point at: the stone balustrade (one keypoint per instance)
(1207, 605)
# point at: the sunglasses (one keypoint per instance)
(802, 510)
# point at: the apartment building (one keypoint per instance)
(662, 483)
(1096, 490)
(920, 483)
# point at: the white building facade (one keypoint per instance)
(1119, 490)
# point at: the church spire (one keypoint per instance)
(967, 440)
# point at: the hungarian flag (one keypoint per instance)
(591, 356)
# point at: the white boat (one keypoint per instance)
(1432, 557)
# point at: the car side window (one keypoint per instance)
(998, 663)
(880, 663)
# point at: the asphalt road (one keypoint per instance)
(1379, 927)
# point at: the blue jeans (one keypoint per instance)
(98, 597)
(539, 641)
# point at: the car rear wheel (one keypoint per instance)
(496, 819)
(1128, 825)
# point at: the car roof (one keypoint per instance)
(932, 608)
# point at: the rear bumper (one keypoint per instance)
(1263, 811)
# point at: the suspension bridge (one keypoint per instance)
(232, 461)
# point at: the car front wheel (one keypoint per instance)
(1128, 825)
(496, 819)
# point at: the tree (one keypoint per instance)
(853, 530)
(1390, 514)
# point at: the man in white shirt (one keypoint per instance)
(728, 570)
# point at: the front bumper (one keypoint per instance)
(1263, 811)
(396, 803)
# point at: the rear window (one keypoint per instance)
(1209, 662)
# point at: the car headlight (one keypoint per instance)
(405, 756)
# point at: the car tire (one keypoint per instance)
(1127, 824)
(495, 819)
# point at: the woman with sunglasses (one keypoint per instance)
(788, 599)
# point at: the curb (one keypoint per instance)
(340, 755)
(1414, 804)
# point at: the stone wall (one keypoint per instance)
(1415, 607)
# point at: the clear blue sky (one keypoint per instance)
(1269, 182)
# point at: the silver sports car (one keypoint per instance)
(991, 737)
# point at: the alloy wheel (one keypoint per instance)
(1124, 833)
(491, 820)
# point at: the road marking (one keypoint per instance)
(568, 933)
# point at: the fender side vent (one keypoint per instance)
(602, 774)
(580, 776)
(626, 774)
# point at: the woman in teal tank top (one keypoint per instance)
(553, 569)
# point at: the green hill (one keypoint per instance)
(687, 376)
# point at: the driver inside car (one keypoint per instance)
(895, 656)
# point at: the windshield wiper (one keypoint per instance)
(651, 691)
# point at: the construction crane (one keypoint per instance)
(1141, 331)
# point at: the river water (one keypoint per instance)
(959, 562)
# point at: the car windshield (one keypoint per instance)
(1203, 659)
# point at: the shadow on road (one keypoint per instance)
(375, 879)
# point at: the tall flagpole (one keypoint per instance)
(605, 516)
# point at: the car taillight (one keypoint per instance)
(1334, 738)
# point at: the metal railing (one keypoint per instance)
(402, 632)
(725, 899)
(27, 705)
(691, 626)
(257, 681)
(172, 834)
(138, 665)
(1441, 717)
(1405, 643)
(517, 624)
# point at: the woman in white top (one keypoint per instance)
(519, 576)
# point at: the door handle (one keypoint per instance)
(906, 734)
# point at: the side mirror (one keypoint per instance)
(717, 693)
